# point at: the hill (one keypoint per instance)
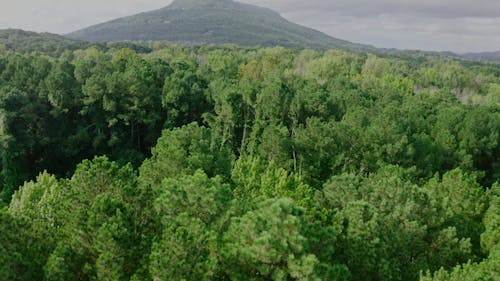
(483, 56)
(27, 42)
(21, 41)
(213, 22)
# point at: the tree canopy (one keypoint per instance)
(227, 163)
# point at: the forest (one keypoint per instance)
(236, 163)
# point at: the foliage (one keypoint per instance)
(227, 163)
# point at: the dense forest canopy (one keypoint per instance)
(227, 163)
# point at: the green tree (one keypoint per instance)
(182, 151)
(271, 245)
(189, 209)
(102, 233)
(489, 268)
(184, 95)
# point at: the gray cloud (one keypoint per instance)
(370, 8)
(458, 25)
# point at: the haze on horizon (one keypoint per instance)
(439, 25)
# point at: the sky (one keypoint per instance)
(435, 25)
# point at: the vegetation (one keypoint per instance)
(20, 41)
(227, 163)
(47, 43)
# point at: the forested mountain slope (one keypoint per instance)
(484, 56)
(228, 163)
(212, 22)
(27, 42)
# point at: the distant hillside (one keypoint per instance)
(21, 41)
(26, 42)
(484, 56)
(213, 22)
(54, 45)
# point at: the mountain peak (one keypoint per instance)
(220, 5)
(189, 4)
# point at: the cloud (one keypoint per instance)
(373, 8)
(390, 31)
(439, 25)
(62, 16)
(457, 25)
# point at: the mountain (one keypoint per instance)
(213, 22)
(26, 42)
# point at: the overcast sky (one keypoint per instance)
(456, 25)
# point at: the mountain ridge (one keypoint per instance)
(483, 56)
(23, 41)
